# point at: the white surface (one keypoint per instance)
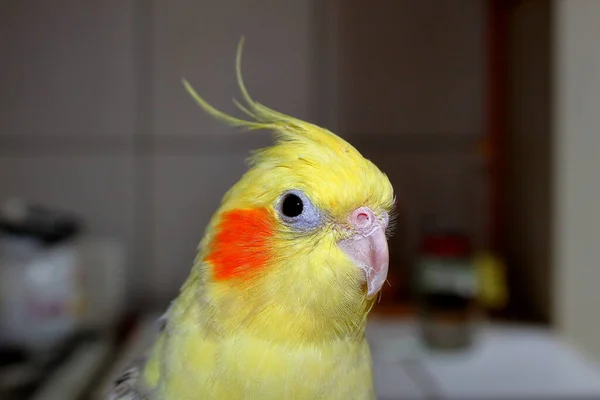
(515, 363)
(576, 167)
(507, 362)
(396, 381)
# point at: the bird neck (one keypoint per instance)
(221, 311)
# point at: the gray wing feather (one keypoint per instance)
(126, 385)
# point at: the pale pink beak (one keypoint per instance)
(368, 248)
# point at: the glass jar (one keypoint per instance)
(447, 291)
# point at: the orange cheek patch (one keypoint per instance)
(240, 248)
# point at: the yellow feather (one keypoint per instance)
(297, 331)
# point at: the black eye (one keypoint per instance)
(292, 206)
(297, 211)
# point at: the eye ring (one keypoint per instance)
(297, 211)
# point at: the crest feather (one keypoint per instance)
(262, 117)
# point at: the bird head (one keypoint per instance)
(300, 241)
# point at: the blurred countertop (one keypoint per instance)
(507, 361)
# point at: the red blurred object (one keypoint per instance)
(445, 245)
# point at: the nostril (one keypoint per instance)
(362, 218)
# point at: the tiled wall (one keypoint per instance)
(93, 116)
(405, 82)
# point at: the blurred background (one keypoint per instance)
(482, 113)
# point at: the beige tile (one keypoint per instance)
(411, 66)
(198, 40)
(446, 186)
(67, 67)
(187, 191)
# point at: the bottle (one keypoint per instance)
(447, 290)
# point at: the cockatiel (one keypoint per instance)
(290, 265)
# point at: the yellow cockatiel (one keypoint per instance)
(291, 263)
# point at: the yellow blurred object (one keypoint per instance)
(79, 306)
(491, 277)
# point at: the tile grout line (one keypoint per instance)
(144, 144)
(143, 204)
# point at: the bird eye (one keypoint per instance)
(292, 205)
(296, 210)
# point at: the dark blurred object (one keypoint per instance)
(446, 290)
(40, 275)
(41, 292)
(46, 225)
(23, 374)
(59, 295)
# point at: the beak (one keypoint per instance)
(368, 248)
